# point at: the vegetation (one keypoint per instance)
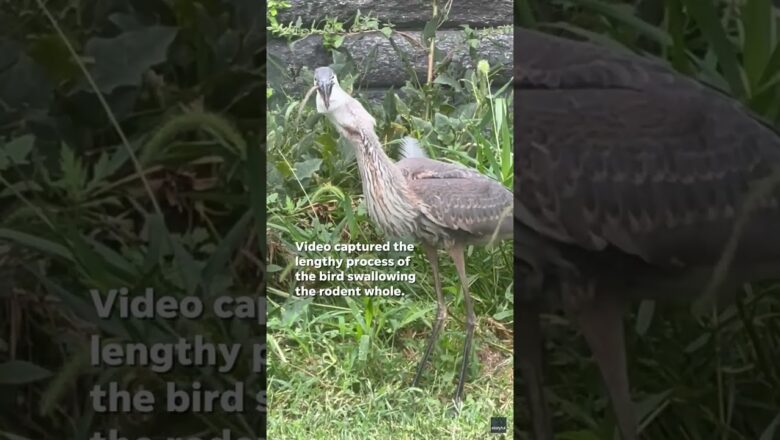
(129, 157)
(692, 378)
(342, 367)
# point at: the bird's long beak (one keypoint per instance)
(324, 90)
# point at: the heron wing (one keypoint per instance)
(459, 198)
(658, 174)
(557, 63)
(418, 168)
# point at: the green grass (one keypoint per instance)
(343, 367)
(321, 385)
(78, 215)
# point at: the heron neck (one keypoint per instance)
(383, 182)
(389, 201)
(338, 95)
(372, 160)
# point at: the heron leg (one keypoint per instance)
(601, 321)
(441, 312)
(530, 352)
(456, 252)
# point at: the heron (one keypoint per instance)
(441, 205)
(630, 181)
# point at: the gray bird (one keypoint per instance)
(630, 179)
(442, 205)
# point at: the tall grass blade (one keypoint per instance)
(758, 22)
(712, 29)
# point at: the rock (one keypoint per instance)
(404, 14)
(381, 64)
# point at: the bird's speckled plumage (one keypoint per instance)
(629, 181)
(421, 198)
(619, 152)
(442, 205)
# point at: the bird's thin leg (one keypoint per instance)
(601, 321)
(441, 312)
(530, 351)
(456, 252)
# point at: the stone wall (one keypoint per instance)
(404, 14)
(385, 61)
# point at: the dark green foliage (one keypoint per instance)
(133, 163)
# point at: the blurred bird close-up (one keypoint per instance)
(633, 182)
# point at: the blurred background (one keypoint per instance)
(716, 377)
(343, 367)
(83, 84)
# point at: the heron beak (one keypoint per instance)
(324, 90)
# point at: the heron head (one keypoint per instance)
(324, 79)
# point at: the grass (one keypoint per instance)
(343, 367)
(322, 386)
(81, 211)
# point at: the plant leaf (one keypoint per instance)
(16, 151)
(707, 18)
(21, 372)
(758, 22)
(307, 168)
(36, 242)
(122, 60)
